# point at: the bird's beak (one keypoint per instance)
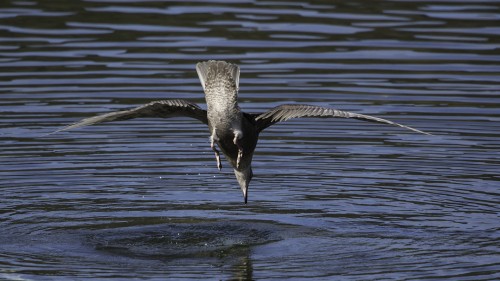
(245, 193)
(244, 177)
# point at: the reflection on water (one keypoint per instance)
(331, 199)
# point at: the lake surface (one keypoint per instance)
(331, 199)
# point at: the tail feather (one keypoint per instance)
(211, 69)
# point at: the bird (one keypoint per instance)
(231, 130)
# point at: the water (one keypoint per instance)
(330, 200)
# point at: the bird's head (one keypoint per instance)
(244, 176)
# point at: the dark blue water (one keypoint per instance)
(331, 199)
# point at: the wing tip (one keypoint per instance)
(418, 131)
(69, 127)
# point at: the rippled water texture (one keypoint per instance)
(330, 200)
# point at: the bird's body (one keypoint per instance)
(236, 133)
(230, 128)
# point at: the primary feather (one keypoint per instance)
(163, 109)
(288, 111)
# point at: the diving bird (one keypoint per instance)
(233, 131)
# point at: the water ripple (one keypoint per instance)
(330, 199)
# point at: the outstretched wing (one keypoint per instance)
(289, 111)
(162, 109)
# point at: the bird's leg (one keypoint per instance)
(237, 136)
(217, 155)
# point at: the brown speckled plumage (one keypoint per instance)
(236, 133)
